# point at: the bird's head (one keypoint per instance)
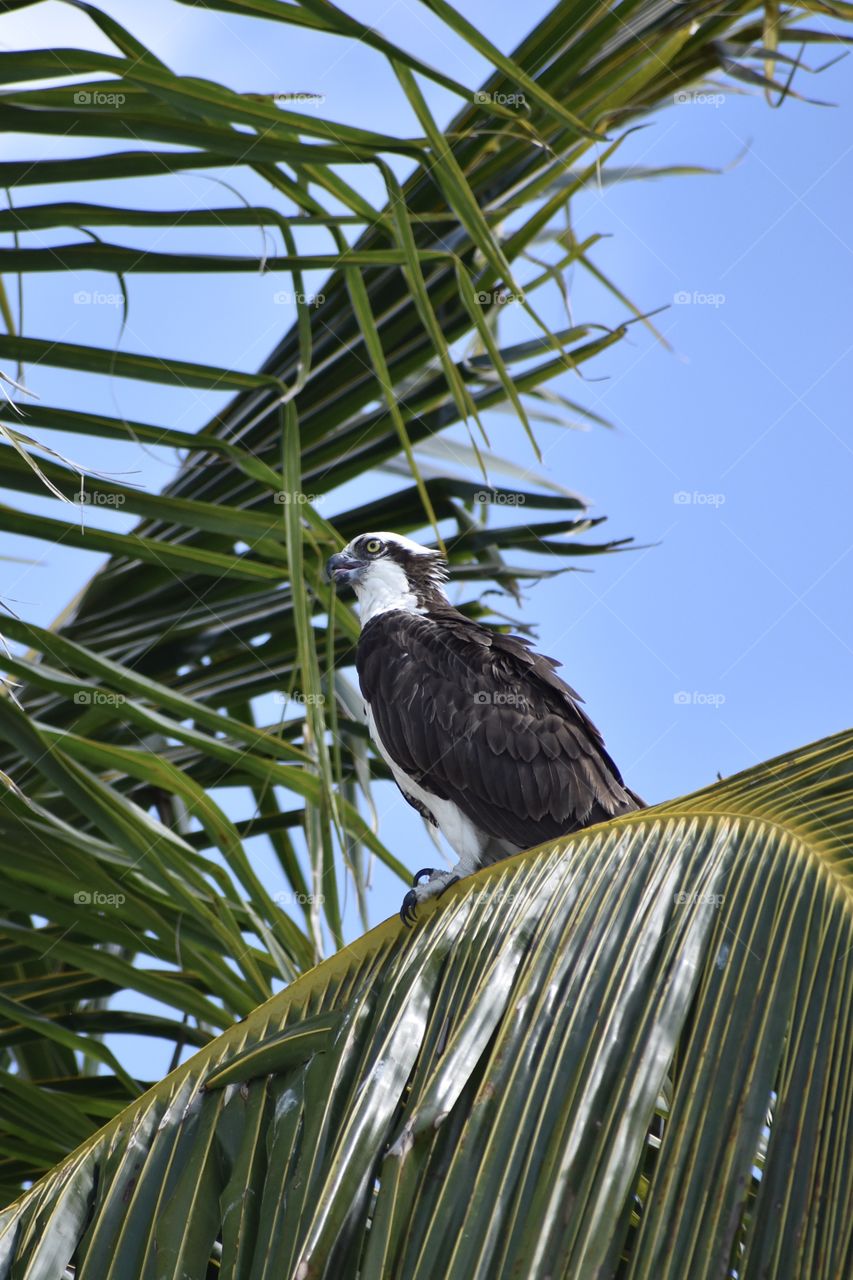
(388, 571)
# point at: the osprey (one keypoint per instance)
(481, 735)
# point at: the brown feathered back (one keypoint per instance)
(476, 717)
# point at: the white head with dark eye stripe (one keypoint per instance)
(388, 571)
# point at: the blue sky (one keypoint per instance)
(726, 639)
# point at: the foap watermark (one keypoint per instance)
(94, 898)
(715, 900)
(505, 897)
(291, 297)
(696, 298)
(98, 698)
(295, 498)
(98, 98)
(698, 98)
(497, 297)
(500, 698)
(500, 99)
(291, 898)
(304, 699)
(695, 498)
(500, 499)
(299, 99)
(95, 298)
(100, 499)
(696, 698)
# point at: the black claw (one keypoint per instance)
(425, 871)
(409, 909)
(446, 887)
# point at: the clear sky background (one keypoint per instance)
(726, 640)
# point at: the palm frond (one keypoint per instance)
(144, 757)
(626, 1054)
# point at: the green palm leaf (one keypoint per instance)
(141, 757)
(626, 1054)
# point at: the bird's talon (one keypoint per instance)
(441, 892)
(424, 871)
(408, 910)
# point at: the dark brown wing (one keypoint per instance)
(477, 718)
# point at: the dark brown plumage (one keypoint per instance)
(475, 717)
(482, 736)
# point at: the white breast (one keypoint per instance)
(384, 587)
(466, 840)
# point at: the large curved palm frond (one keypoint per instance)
(183, 712)
(627, 1054)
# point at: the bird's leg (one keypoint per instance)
(434, 887)
(447, 883)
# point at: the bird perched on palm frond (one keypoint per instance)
(481, 735)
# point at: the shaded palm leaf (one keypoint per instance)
(145, 761)
(566, 1069)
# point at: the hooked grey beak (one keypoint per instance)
(342, 569)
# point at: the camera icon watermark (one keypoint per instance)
(288, 498)
(98, 698)
(94, 898)
(100, 499)
(497, 297)
(289, 297)
(98, 98)
(290, 898)
(500, 698)
(482, 98)
(300, 99)
(698, 98)
(696, 298)
(303, 699)
(696, 698)
(96, 298)
(715, 900)
(694, 498)
(500, 499)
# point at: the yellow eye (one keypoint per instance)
(373, 546)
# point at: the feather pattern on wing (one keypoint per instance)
(475, 717)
